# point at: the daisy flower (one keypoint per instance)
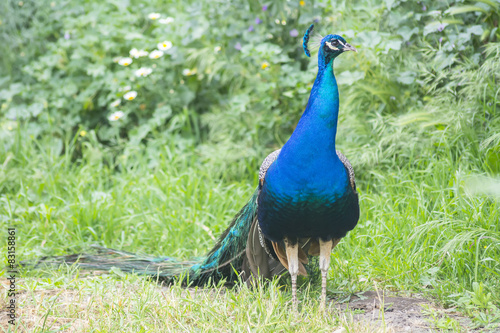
(125, 61)
(133, 52)
(156, 54)
(188, 72)
(143, 71)
(164, 46)
(116, 116)
(264, 65)
(115, 103)
(154, 16)
(130, 95)
(166, 20)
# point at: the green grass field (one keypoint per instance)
(420, 231)
(419, 121)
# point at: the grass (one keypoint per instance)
(420, 231)
(426, 156)
(64, 301)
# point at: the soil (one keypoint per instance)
(400, 314)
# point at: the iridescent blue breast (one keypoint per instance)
(316, 203)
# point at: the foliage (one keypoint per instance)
(419, 121)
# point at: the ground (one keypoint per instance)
(108, 303)
(401, 313)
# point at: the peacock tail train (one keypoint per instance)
(224, 261)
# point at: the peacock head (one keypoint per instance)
(330, 47)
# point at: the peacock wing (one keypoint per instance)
(349, 169)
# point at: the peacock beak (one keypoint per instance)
(349, 47)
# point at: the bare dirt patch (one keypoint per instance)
(397, 313)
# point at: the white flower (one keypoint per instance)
(167, 20)
(217, 49)
(133, 52)
(143, 71)
(156, 54)
(130, 95)
(141, 53)
(154, 16)
(115, 103)
(125, 61)
(188, 72)
(126, 88)
(116, 59)
(164, 46)
(116, 115)
(138, 53)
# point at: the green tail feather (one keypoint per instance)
(227, 254)
(222, 262)
(105, 259)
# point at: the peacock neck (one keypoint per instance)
(315, 133)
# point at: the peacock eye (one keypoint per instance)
(335, 42)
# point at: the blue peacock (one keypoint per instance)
(306, 201)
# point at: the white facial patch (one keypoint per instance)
(331, 46)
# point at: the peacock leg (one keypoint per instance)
(325, 249)
(292, 254)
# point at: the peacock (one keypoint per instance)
(305, 202)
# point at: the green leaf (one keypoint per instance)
(406, 33)
(392, 45)
(139, 133)
(443, 60)
(96, 70)
(433, 27)
(389, 3)
(370, 39)
(13, 90)
(349, 77)
(475, 30)
(490, 3)
(35, 109)
(68, 89)
(407, 77)
(464, 9)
